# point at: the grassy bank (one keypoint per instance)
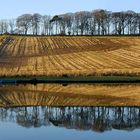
(80, 79)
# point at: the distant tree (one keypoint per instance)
(46, 25)
(138, 22)
(65, 23)
(12, 25)
(57, 20)
(131, 16)
(92, 24)
(82, 21)
(108, 21)
(97, 22)
(68, 19)
(24, 22)
(3, 26)
(97, 16)
(101, 19)
(36, 20)
(120, 22)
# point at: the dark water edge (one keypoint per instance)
(69, 79)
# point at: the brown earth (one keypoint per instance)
(56, 55)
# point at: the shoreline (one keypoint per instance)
(70, 79)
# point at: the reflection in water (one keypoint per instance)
(58, 111)
(97, 119)
(70, 95)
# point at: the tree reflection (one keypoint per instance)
(98, 119)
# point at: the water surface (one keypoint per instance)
(70, 112)
(70, 95)
(43, 122)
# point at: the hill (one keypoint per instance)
(69, 55)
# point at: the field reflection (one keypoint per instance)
(73, 111)
(70, 95)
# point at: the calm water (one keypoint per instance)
(76, 123)
(28, 112)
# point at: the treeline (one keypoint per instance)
(97, 22)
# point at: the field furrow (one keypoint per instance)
(77, 55)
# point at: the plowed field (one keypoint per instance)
(56, 55)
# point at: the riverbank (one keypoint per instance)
(78, 79)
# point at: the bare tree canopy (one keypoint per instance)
(24, 22)
(96, 22)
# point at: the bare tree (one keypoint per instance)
(65, 23)
(68, 18)
(12, 25)
(57, 20)
(97, 22)
(3, 26)
(120, 22)
(36, 20)
(138, 22)
(46, 29)
(24, 22)
(81, 19)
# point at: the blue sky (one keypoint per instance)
(12, 8)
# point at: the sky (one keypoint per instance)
(10, 9)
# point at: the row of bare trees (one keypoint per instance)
(97, 22)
